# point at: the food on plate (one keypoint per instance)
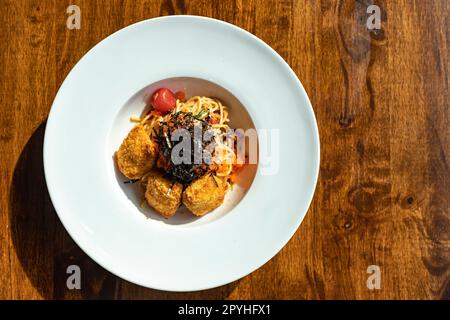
(163, 100)
(205, 194)
(137, 154)
(182, 152)
(162, 194)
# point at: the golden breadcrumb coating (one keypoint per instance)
(163, 195)
(137, 154)
(205, 194)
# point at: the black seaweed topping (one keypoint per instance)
(184, 173)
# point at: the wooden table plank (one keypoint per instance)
(381, 102)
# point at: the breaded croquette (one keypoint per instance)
(204, 194)
(163, 195)
(137, 154)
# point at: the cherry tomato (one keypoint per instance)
(180, 95)
(163, 100)
(213, 120)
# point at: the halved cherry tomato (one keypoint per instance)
(237, 166)
(223, 168)
(213, 121)
(163, 100)
(233, 177)
(180, 95)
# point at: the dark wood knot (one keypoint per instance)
(407, 202)
(360, 148)
(370, 197)
(345, 122)
(377, 34)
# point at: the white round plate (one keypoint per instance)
(89, 118)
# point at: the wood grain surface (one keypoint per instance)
(381, 100)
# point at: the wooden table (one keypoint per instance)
(381, 99)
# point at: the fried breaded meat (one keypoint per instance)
(163, 195)
(137, 154)
(204, 194)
